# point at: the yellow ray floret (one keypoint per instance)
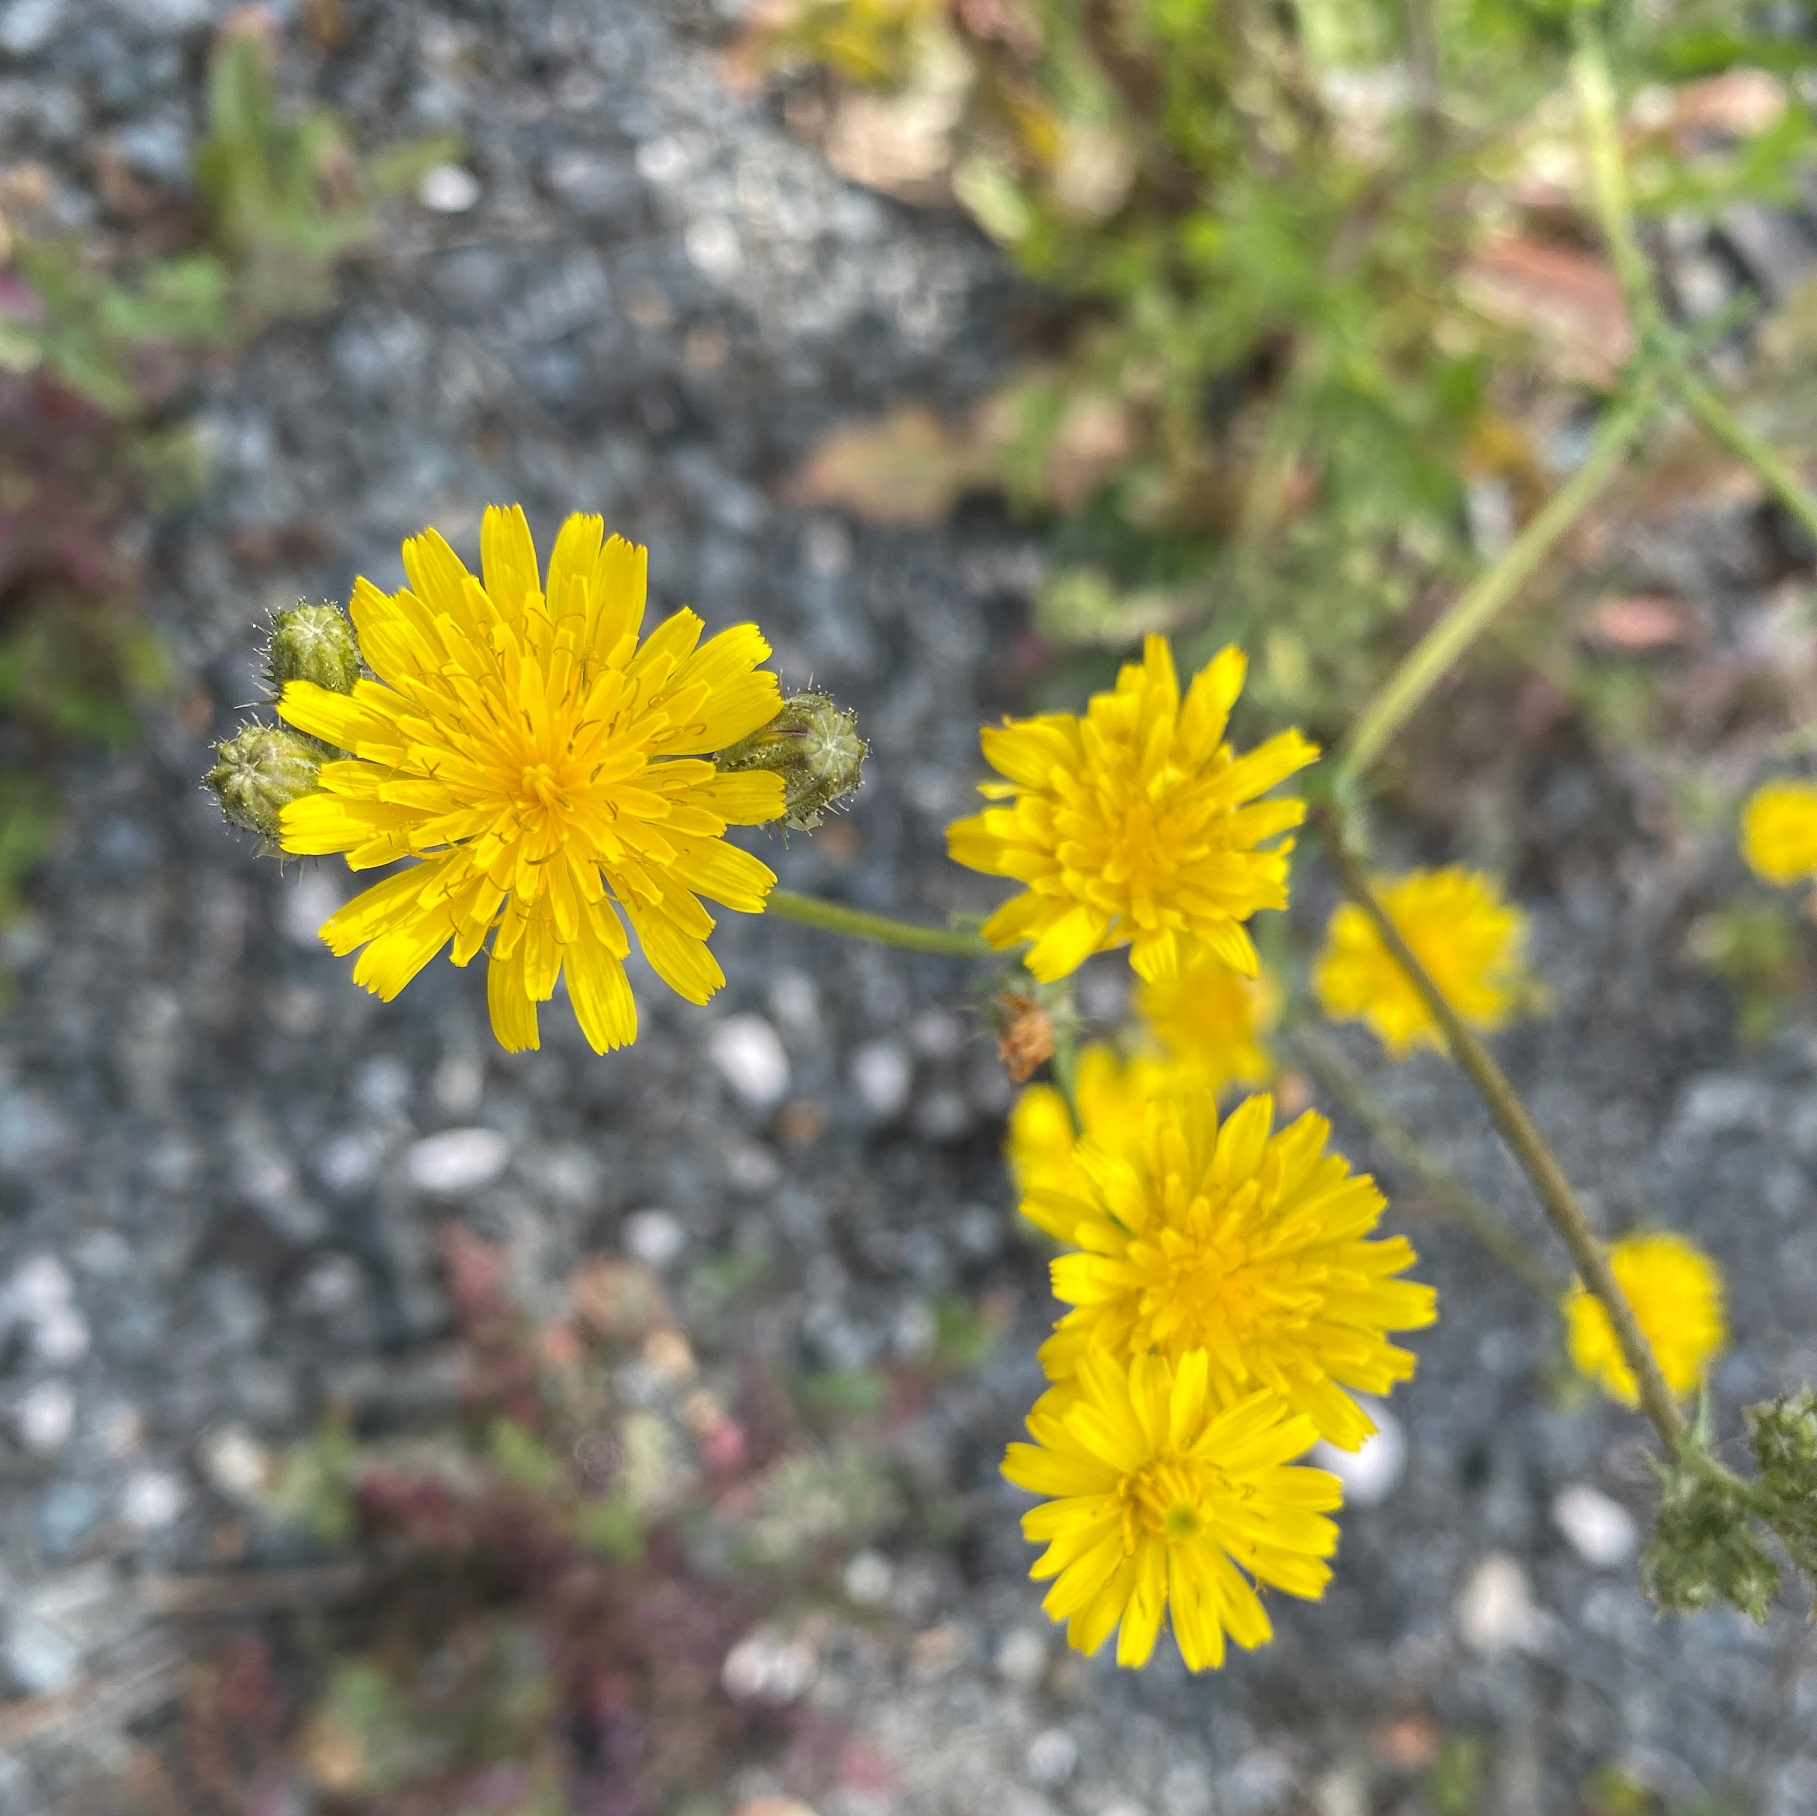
(1676, 1292)
(1135, 825)
(1113, 1095)
(1212, 1021)
(1163, 1500)
(1252, 1246)
(1459, 928)
(1779, 832)
(541, 763)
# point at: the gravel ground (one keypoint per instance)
(222, 1166)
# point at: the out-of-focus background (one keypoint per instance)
(391, 1425)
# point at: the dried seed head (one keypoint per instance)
(259, 771)
(312, 643)
(1025, 1035)
(813, 744)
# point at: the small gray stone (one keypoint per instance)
(457, 1160)
(748, 1054)
(883, 1076)
(654, 1237)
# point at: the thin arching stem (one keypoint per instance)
(1518, 1130)
(882, 929)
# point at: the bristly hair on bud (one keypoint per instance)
(813, 744)
(312, 643)
(1705, 1546)
(259, 771)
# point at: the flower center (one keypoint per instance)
(1165, 1499)
(541, 787)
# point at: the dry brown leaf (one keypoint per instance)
(906, 470)
(1738, 104)
(898, 144)
(1569, 301)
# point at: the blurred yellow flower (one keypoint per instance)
(1165, 1500)
(1459, 928)
(1779, 832)
(1210, 1021)
(1113, 1095)
(1676, 1292)
(543, 769)
(1250, 1245)
(1135, 825)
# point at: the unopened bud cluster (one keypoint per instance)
(262, 768)
(813, 744)
(1709, 1545)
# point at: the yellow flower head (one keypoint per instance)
(1113, 1096)
(1135, 825)
(543, 769)
(1779, 832)
(1460, 929)
(1676, 1292)
(1164, 1499)
(1249, 1245)
(1211, 1020)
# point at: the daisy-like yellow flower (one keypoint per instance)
(1459, 928)
(1250, 1245)
(1135, 825)
(1779, 832)
(1113, 1094)
(1212, 1021)
(540, 762)
(1165, 1500)
(1676, 1292)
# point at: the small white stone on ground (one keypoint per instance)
(151, 1499)
(883, 1075)
(1602, 1532)
(457, 1160)
(448, 189)
(61, 1335)
(305, 904)
(1052, 1754)
(868, 1579)
(1495, 1612)
(1370, 1475)
(654, 1237)
(235, 1461)
(45, 1415)
(747, 1053)
(767, 1666)
(1021, 1657)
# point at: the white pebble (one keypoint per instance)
(654, 1237)
(1495, 1612)
(713, 246)
(747, 1053)
(883, 1075)
(45, 1415)
(235, 1462)
(1602, 1532)
(1021, 1657)
(1052, 1755)
(61, 1336)
(40, 1286)
(767, 1666)
(151, 1499)
(457, 1160)
(868, 1579)
(305, 904)
(1370, 1475)
(448, 189)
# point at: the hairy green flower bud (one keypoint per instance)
(259, 771)
(1783, 1434)
(1703, 1546)
(312, 643)
(813, 744)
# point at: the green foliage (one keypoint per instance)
(1312, 264)
(1757, 949)
(289, 197)
(1454, 1785)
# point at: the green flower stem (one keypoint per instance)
(1528, 1146)
(1770, 466)
(1327, 1062)
(1421, 669)
(883, 929)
